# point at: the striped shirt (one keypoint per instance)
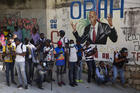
(86, 51)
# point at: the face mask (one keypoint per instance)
(44, 64)
(71, 45)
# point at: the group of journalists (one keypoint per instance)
(36, 60)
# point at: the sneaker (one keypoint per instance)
(59, 84)
(26, 87)
(72, 85)
(14, 82)
(62, 83)
(77, 81)
(8, 84)
(41, 88)
(19, 86)
(80, 81)
(75, 84)
(89, 81)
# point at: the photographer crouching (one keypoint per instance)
(120, 59)
(41, 71)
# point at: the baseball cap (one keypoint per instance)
(59, 43)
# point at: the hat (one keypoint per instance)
(62, 32)
(124, 50)
(59, 43)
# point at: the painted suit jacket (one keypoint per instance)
(104, 31)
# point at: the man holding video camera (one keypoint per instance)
(120, 59)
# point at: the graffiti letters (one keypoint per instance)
(96, 6)
(53, 23)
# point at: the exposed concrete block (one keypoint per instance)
(138, 69)
(138, 87)
(137, 82)
(130, 81)
(127, 68)
(127, 74)
(132, 69)
(136, 75)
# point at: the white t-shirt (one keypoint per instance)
(20, 49)
(31, 47)
(64, 40)
(73, 55)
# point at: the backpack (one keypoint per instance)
(27, 52)
(64, 40)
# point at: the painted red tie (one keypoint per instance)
(94, 35)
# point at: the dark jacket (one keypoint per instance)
(104, 31)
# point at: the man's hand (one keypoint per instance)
(73, 26)
(109, 19)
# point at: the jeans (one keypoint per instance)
(34, 70)
(20, 67)
(72, 72)
(9, 67)
(60, 70)
(79, 71)
(91, 69)
(115, 74)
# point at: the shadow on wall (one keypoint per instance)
(11, 3)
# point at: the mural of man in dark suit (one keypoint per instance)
(96, 32)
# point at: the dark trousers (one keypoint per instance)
(40, 78)
(29, 70)
(60, 70)
(91, 69)
(9, 67)
(66, 63)
(72, 72)
(49, 74)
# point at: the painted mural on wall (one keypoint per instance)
(17, 21)
(12, 21)
(131, 30)
(117, 26)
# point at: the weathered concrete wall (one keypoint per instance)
(25, 9)
(61, 18)
(127, 29)
(22, 4)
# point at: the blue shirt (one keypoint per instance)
(60, 60)
(19, 34)
(79, 53)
